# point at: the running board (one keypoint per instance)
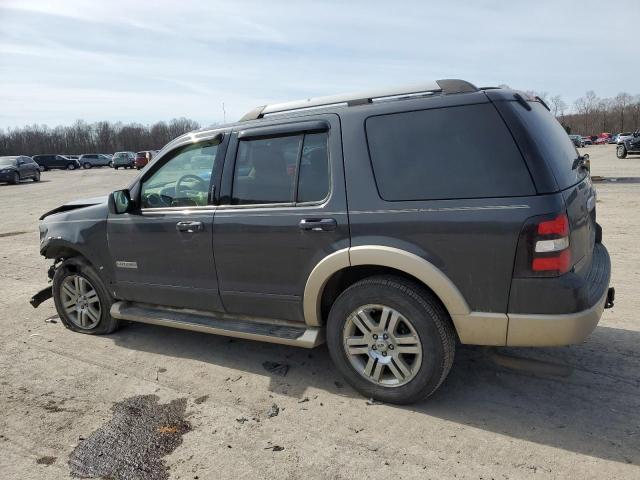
(264, 330)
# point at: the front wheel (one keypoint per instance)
(16, 178)
(87, 166)
(71, 166)
(621, 151)
(391, 339)
(82, 301)
(36, 176)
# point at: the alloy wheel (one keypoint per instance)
(382, 345)
(80, 302)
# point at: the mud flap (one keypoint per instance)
(41, 296)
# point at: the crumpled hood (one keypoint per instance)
(75, 204)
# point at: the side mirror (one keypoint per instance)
(120, 202)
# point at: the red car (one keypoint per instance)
(144, 157)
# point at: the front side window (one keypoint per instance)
(183, 181)
(286, 169)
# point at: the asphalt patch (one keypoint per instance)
(132, 444)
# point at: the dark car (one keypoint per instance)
(123, 159)
(630, 144)
(587, 141)
(143, 158)
(17, 168)
(49, 162)
(392, 224)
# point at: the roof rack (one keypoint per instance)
(446, 86)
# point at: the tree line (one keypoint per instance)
(592, 115)
(99, 137)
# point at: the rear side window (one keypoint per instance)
(553, 143)
(446, 153)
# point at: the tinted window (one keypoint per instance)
(455, 152)
(313, 183)
(265, 170)
(552, 142)
(182, 181)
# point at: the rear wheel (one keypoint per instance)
(621, 151)
(82, 301)
(391, 339)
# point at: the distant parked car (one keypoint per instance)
(577, 140)
(90, 160)
(16, 168)
(123, 159)
(602, 140)
(48, 162)
(143, 158)
(630, 144)
(587, 140)
(621, 137)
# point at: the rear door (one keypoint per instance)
(283, 210)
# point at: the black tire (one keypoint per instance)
(86, 165)
(78, 266)
(36, 176)
(115, 168)
(621, 151)
(427, 316)
(16, 178)
(111, 164)
(71, 166)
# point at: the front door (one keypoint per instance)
(283, 210)
(163, 251)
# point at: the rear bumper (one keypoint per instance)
(553, 330)
(543, 329)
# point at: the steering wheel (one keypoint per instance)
(189, 177)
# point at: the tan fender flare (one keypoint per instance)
(478, 328)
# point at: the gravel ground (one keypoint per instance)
(216, 412)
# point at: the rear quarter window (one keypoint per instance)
(446, 153)
(552, 142)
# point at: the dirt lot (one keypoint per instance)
(58, 388)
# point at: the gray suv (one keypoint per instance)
(391, 224)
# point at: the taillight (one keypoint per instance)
(544, 247)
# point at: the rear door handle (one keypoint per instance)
(189, 227)
(318, 224)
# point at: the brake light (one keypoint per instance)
(557, 226)
(559, 263)
(544, 247)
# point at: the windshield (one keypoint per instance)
(7, 161)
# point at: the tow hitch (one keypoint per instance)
(611, 296)
(41, 296)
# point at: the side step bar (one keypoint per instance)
(272, 331)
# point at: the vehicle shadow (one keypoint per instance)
(594, 411)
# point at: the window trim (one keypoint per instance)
(214, 181)
(302, 129)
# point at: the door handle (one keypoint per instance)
(189, 227)
(318, 224)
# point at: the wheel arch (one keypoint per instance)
(477, 328)
(359, 262)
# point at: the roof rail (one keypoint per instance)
(446, 86)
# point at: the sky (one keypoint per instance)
(144, 61)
